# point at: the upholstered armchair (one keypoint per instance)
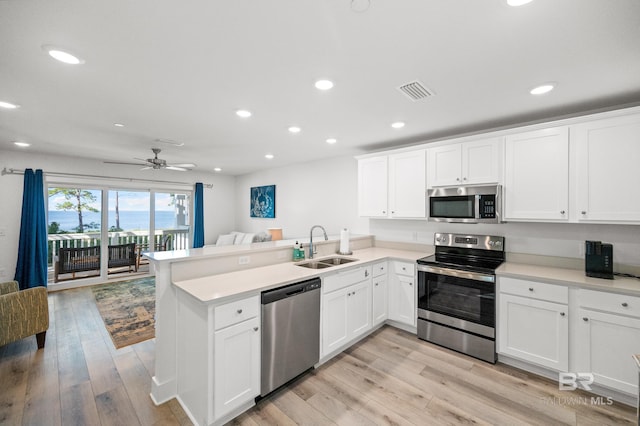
(23, 313)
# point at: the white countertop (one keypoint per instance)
(215, 288)
(564, 276)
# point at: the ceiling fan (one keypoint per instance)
(156, 163)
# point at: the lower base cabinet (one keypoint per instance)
(535, 331)
(605, 345)
(236, 366)
(346, 308)
(402, 293)
(218, 358)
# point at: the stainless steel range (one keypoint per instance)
(457, 293)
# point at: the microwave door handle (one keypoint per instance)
(477, 206)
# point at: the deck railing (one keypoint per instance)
(179, 240)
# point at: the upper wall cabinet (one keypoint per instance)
(467, 163)
(393, 185)
(536, 183)
(608, 169)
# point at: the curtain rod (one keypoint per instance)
(11, 171)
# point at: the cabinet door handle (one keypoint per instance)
(410, 283)
(366, 273)
(561, 314)
(464, 178)
(562, 211)
(457, 179)
(530, 288)
(384, 212)
(239, 311)
(255, 328)
(585, 319)
(625, 304)
(583, 212)
(393, 211)
(376, 284)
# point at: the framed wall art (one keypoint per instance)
(263, 201)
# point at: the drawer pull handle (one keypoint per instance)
(239, 311)
(561, 314)
(530, 288)
(255, 328)
(410, 283)
(625, 304)
(585, 319)
(366, 273)
(376, 284)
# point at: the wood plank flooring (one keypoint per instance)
(390, 378)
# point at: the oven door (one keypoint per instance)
(466, 296)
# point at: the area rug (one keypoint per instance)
(127, 309)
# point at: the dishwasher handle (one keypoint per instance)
(290, 290)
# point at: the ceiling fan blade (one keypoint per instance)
(146, 167)
(186, 165)
(180, 169)
(125, 163)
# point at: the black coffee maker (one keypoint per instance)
(598, 261)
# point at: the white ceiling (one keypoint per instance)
(178, 70)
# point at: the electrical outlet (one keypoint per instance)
(244, 260)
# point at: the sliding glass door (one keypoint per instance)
(111, 228)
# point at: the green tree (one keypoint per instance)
(75, 199)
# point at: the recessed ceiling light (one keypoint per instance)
(397, 125)
(118, 124)
(332, 141)
(8, 105)
(518, 2)
(269, 156)
(542, 89)
(62, 55)
(22, 144)
(324, 84)
(217, 169)
(243, 113)
(295, 129)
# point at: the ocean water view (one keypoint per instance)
(130, 220)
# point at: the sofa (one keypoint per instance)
(23, 313)
(236, 238)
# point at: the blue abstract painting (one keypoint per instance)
(263, 201)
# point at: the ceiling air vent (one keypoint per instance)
(416, 91)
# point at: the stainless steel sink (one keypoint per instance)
(314, 265)
(326, 262)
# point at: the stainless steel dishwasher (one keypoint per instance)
(290, 332)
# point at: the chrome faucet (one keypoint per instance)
(312, 250)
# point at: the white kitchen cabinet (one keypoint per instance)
(372, 186)
(392, 185)
(402, 293)
(468, 163)
(218, 357)
(379, 293)
(608, 334)
(607, 172)
(536, 186)
(535, 331)
(236, 366)
(533, 322)
(346, 308)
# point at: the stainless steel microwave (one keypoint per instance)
(466, 204)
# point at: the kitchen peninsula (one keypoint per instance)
(193, 283)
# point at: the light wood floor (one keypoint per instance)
(390, 378)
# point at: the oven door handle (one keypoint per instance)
(476, 276)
